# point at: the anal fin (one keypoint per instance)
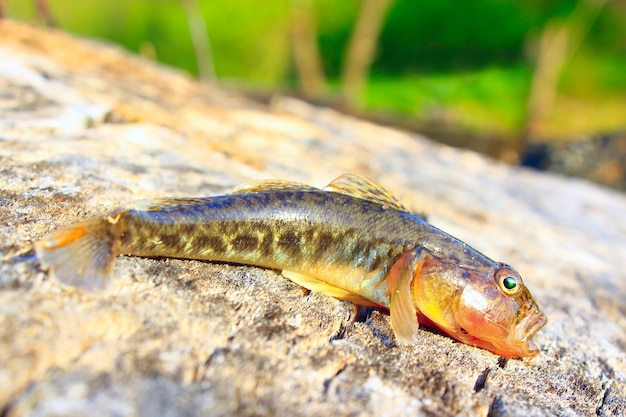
(317, 285)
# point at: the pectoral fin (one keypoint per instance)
(402, 311)
(317, 285)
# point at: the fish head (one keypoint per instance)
(498, 313)
(491, 309)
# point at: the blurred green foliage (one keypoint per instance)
(472, 98)
(470, 61)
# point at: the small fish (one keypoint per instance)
(351, 240)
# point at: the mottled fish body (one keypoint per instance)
(351, 240)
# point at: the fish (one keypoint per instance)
(352, 240)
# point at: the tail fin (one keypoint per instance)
(80, 255)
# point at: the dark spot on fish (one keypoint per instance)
(463, 331)
(210, 243)
(391, 252)
(280, 197)
(323, 243)
(257, 199)
(377, 262)
(246, 242)
(266, 244)
(289, 243)
(351, 244)
(308, 236)
(318, 200)
(170, 240)
(359, 249)
(186, 229)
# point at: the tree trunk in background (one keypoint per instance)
(44, 13)
(551, 56)
(306, 54)
(361, 49)
(557, 45)
(200, 40)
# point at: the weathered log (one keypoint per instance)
(86, 127)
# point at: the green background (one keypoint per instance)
(468, 64)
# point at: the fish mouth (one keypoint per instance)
(527, 329)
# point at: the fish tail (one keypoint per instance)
(81, 255)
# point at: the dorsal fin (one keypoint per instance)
(167, 204)
(265, 185)
(365, 189)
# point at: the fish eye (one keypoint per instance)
(509, 284)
